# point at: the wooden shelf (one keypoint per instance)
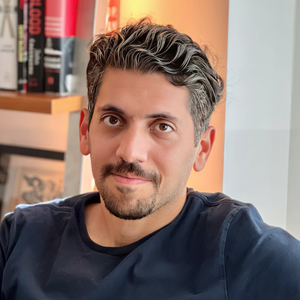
(40, 103)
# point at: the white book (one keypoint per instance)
(8, 44)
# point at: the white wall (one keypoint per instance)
(258, 109)
(293, 208)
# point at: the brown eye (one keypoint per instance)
(163, 127)
(112, 121)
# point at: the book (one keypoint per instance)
(25, 43)
(88, 12)
(35, 59)
(60, 26)
(8, 44)
(22, 74)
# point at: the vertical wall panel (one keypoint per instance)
(293, 207)
(258, 108)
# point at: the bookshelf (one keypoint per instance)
(52, 104)
(28, 121)
(40, 102)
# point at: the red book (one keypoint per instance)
(60, 27)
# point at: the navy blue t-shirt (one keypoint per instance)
(216, 248)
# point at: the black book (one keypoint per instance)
(22, 74)
(36, 42)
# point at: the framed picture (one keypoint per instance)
(32, 180)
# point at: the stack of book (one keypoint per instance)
(37, 40)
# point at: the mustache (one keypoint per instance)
(132, 168)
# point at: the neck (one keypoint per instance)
(109, 231)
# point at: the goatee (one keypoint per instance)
(119, 205)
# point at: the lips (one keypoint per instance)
(130, 174)
(129, 179)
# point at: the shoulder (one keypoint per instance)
(216, 200)
(42, 218)
(260, 260)
(211, 215)
(247, 227)
(34, 212)
(219, 207)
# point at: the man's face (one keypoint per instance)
(141, 143)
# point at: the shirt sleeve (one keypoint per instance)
(261, 262)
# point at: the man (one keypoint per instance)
(145, 236)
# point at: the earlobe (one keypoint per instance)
(204, 148)
(83, 132)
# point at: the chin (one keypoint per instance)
(128, 205)
(139, 211)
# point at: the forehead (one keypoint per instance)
(136, 91)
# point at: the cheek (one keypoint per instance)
(101, 149)
(99, 157)
(171, 161)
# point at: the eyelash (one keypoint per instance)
(119, 123)
(106, 121)
(169, 127)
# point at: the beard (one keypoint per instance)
(126, 205)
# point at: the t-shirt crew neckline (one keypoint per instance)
(115, 251)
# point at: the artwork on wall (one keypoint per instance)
(32, 180)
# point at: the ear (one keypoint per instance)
(84, 132)
(204, 148)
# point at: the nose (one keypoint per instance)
(134, 145)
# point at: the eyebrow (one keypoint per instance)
(109, 107)
(163, 115)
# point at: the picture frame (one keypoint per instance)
(32, 180)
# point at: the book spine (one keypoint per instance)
(25, 43)
(60, 25)
(35, 59)
(22, 78)
(8, 44)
